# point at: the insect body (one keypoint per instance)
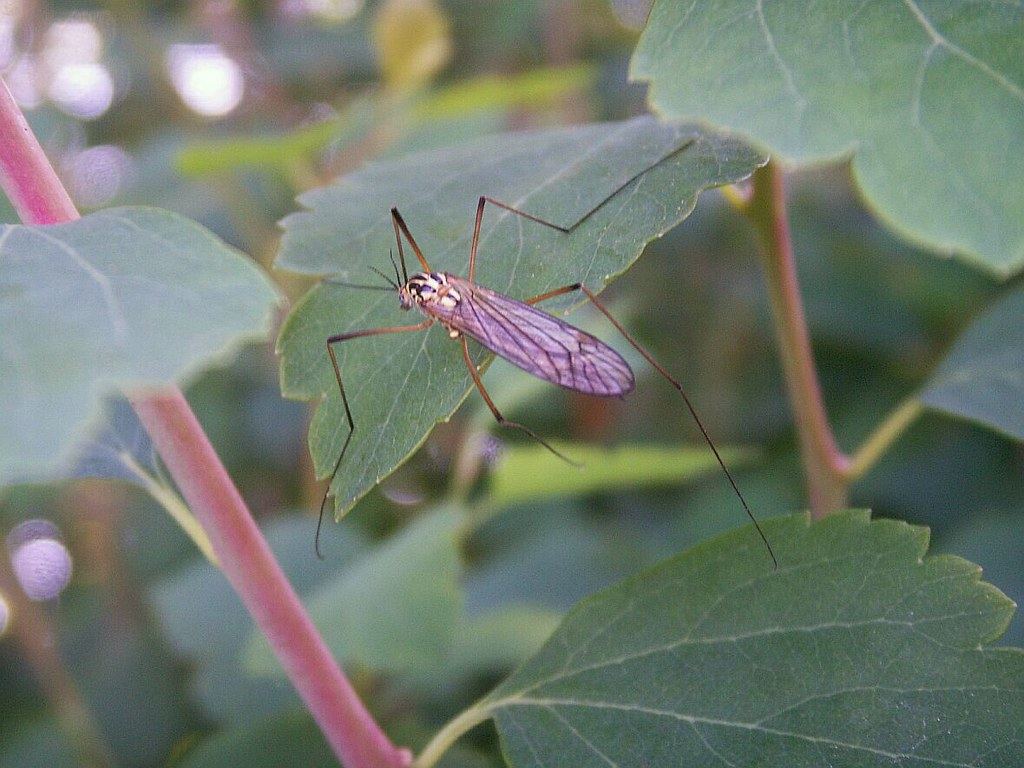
(541, 344)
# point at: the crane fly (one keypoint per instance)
(541, 344)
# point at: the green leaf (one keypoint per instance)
(528, 472)
(993, 539)
(291, 738)
(396, 608)
(486, 644)
(856, 652)
(552, 555)
(120, 449)
(38, 739)
(534, 88)
(400, 385)
(203, 620)
(928, 97)
(201, 158)
(125, 297)
(982, 377)
(501, 637)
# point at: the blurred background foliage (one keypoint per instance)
(225, 111)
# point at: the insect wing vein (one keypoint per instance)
(539, 343)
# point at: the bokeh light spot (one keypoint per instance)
(208, 80)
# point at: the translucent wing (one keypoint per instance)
(539, 343)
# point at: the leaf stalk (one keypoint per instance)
(826, 468)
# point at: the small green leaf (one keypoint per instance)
(530, 89)
(400, 385)
(982, 377)
(201, 158)
(856, 652)
(928, 97)
(289, 738)
(528, 472)
(502, 637)
(396, 608)
(552, 555)
(212, 631)
(120, 449)
(491, 642)
(125, 297)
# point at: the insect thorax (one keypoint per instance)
(430, 290)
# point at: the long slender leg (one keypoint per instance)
(480, 204)
(671, 380)
(557, 292)
(399, 224)
(337, 339)
(497, 414)
(479, 217)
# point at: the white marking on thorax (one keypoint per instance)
(434, 288)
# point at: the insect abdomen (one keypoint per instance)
(541, 344)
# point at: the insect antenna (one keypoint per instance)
(400, 277)
(393, 284)
(345, 284)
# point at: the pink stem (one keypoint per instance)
(26, 175)
(254, 573)
(39, 197)
(824, 464)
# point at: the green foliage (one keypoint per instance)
(122, 297)
(855, 652)
(403, 384)
(527, 472)
(395, 609)
(213, 632)
(462, 564)
(927, 98)
(287, 739)
(981, 378)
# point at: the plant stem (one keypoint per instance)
(450, 733)
(174, 505)
(250, 566)
(885, 434)
(825, 466)
(26, 175)
(39, 198)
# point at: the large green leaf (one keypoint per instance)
(982, 377)
(928, 96)
(400, 385)
(856, 652)
(395, 608)
(125, 297)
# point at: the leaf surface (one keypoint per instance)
(126, 297)
(396, 608)
(856, 652)
(927, 96)
(530, 472)
(119, 449)
(400, 385)
(982, 376)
